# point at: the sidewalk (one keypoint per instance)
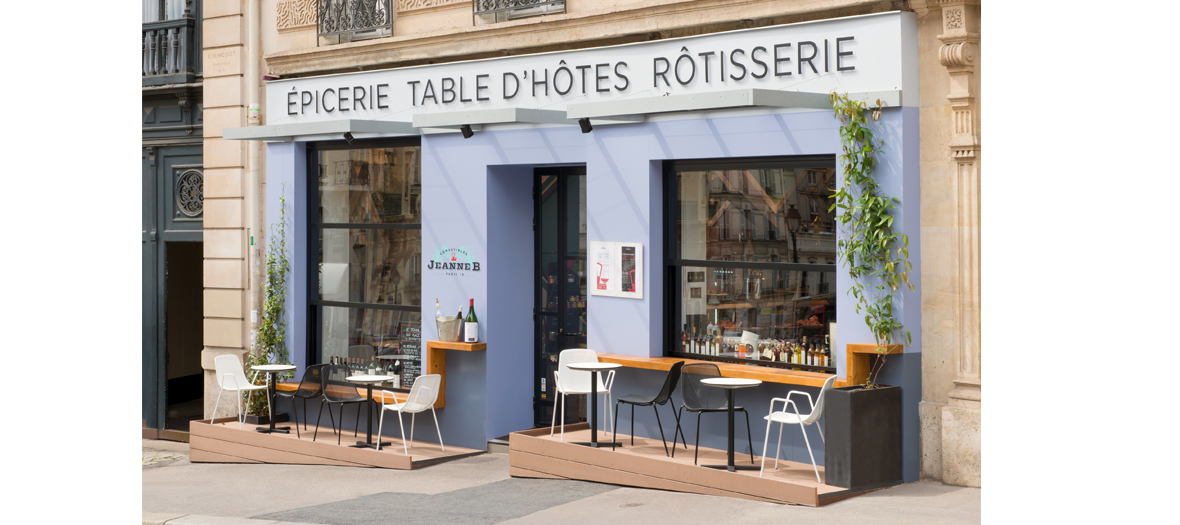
(478, 490)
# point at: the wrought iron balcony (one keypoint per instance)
(491, 11)
(342, 21)
(171, 52)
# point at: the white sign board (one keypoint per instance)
(616, 269)
(855, 54)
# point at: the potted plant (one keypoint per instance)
(863, 427)
(270, 345)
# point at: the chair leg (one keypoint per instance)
(553, 420)
(612, 413)
(661, 427)
(697, 447)
(809, 453)
(215, 405)
(563, 399)
(437, 429)
(357, 425)
(295, 414)
(402, 429)
(241, 413)
(765, 441)
(380, 422)
(778, 451)
(749, 440)
(615, 428)
(318, 417)
(632, 425)
(412, 417)
(679, 430)
(340, 435)
(304, 413)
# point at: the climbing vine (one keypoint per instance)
(271, 344)
(877, 257)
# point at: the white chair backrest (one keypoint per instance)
(229, 365)
(424, 392)
(819, 402)
(575, 380)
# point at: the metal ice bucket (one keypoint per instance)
(448, 328)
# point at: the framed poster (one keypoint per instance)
(616, 269)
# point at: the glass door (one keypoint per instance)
(560, 303)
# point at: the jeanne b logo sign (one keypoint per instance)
(453, 261)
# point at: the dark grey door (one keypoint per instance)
(560, 301)
(173, 209)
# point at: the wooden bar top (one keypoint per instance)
(466, 347)
(762, 373)
(288, 386)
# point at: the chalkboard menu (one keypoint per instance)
(411, 345)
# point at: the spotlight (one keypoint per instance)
(466, 129)
(584, 122)
(348, 137)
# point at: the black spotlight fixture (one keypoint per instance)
(466, 129)
(584, 122)
(348, 137)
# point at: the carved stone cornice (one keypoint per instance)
(413, 5)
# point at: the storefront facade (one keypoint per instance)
(678, 163)
(477, 199)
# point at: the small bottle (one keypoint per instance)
(684, 340)
(437, 308)
(471, 325)
(372, 367)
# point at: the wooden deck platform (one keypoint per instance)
(223, 442)
(534, 454)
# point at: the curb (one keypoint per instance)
(165, 518)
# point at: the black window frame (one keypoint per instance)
(673, 264)
(315, 306)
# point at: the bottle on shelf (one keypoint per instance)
(437, 308)
(684, 340)
(471, 325)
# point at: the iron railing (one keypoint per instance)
(171, 52)
(508, 9)
(350, 17)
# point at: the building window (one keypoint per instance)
(367, 238)
(770, 283)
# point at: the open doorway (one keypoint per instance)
(183, 326)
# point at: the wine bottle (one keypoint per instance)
(437, 308)
(471, 325)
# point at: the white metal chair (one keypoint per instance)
(422, 396)
(230, 376)
(567, 381)
(793, 418)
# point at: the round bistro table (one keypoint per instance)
(369, 381)
(594, 369)
(730, 384)
(271, 370)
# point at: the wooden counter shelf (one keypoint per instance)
(763, 373)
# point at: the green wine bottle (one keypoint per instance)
(471, 325)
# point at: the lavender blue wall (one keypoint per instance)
(286, 176)
(477, 194)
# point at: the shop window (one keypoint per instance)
(753, 266)
(368, 249)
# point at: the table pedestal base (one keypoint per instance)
(279, 430)
(600, 444)
(362, 444)
(733, 468)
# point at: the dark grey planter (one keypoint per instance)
(863, 437)
(281, 417)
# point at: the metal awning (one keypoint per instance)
(287, 132)
(624, 110)
(738, 98)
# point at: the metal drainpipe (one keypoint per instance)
(253, 202)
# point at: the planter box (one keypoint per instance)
(863, 437)
(281, 417)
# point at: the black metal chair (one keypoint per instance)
(337, 391)
(660, 399)
(700, 398)
(310, 387)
